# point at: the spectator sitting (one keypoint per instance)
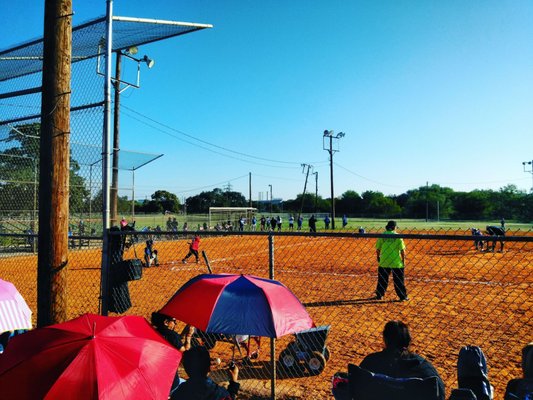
(165, 325)
(522, 388)
(199, 386)
(6, 336)
(123, 222)
(150, 254)
(396, 360)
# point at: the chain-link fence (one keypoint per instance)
(458, 296)
(20, 122)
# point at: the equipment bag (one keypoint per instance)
(129, 270)
(472, 372)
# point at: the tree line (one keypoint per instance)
(19, 162)
(433, 202)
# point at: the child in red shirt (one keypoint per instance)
(193, 249)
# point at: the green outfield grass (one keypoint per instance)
(195, 220)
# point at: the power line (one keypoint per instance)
(440, 183)
(204, 141)
(224, 182)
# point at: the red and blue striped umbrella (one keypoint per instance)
(238, 305)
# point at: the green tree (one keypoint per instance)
(19, 171)
(472, 205)
(215, 198)
(306, 204)
(166, 201)
(376, 204)
(350, 203)
(437, 199)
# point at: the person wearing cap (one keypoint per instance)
(150, 254)
(390, 254)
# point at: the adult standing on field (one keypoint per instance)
(312, 223)
(390, 253)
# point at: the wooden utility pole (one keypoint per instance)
(54, 164)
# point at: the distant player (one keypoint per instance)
(193, 249)
(390, 254)
(150, 254)
(478, 244)
(495, 231)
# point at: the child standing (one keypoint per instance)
(193, 249)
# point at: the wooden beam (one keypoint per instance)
(54, 164)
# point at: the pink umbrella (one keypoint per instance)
(14, 312)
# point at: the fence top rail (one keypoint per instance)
(407, 236)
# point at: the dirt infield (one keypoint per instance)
(458, 297)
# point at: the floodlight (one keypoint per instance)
(132, 50)
(149, 62)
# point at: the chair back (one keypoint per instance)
(366, 385)
(472, 372)
(313, 339)
(519, 389)
(462, 394)
(527, 361)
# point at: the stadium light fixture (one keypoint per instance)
(128, 53)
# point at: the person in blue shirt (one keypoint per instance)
(150, 254)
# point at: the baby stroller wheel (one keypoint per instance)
(287, 359)
(326, 353)
(315, 363)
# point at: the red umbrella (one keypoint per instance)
(238, 305)
(90, 357)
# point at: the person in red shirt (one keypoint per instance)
(193, 249)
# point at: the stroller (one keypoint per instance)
(308, 349)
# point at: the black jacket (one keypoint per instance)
(205, 389)
(410, 366)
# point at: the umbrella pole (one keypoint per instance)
(272, 340)
(273, 360)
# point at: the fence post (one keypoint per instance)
(104, 274)
(272, 340)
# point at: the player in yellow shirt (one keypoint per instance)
(391, 258)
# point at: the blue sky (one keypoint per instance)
(426, 91)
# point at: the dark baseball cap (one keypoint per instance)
(391, 225)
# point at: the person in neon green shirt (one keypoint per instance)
(391, 258)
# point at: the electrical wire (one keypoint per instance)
(194, 138)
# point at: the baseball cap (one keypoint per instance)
(391, 225)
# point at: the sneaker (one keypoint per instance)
(405, 299)
(184, 262)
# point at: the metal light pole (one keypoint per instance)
(270, 186)
(316, 190)
(530, 170)
(328, 146)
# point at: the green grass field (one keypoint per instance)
(195, 220)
